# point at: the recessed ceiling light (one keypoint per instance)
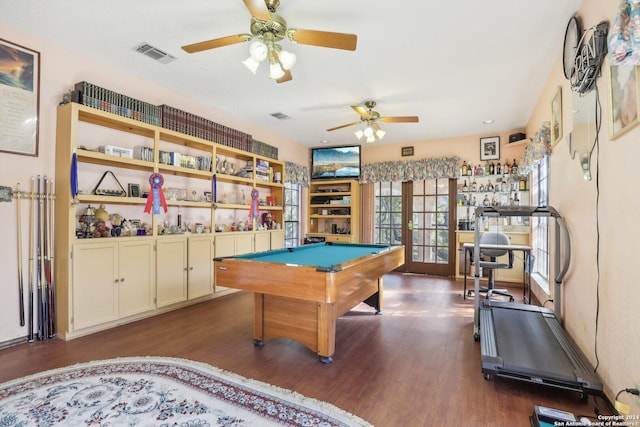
(324, 141)
(488, 122)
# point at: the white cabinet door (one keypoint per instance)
(200, 264)
(171, 272)
(262, 241)
(244, 243)
(137, 274)
(225, 245)
(277, 239)
(95, 299)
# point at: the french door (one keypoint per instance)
(421, 216)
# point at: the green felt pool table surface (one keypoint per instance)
(324, 256)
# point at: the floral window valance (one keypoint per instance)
(296, 174)
(411, 170)
(539, 147)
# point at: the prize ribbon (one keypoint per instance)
(254, 212)
(156, 196)
(74, 176)
(214, 188)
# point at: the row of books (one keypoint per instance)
(202, 163)
(94, 96)
(169, 118)
(190, 124)
(143, 153)
(263, 149)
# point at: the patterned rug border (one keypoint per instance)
(259, 387)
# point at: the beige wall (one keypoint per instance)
(600, 273)
(466, 147)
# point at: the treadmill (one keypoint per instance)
(525, 342)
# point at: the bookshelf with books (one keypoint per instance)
(202, 203)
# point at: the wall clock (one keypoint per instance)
(571, 40)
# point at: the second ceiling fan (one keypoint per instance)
(267, 29)
(370, 119)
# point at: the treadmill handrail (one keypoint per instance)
(567, 250)
(562, 236)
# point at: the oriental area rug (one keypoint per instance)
(158, 391)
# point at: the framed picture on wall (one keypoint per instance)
(556, 116)
(490, 148)
(623, 99)
(19, 99)
(407, 151)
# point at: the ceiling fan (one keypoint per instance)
(371, 118)
(267, 29)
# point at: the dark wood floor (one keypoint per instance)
(416, 365)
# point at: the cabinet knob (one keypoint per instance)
(117, 280)
(122, 280)
(191, 268)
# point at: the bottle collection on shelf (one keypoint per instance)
(508, 183)
(489, 168)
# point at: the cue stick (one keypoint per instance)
(20, 283)
(41, 311)
(50, 281)
(32, 277)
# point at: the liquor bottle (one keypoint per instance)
(507, 167)
(514, 167)
(464, 168)
(486, 201)
(522, 184)
(475, 170)
(498, 169)
(490, 186)
(492, 168)
(465, 187)
(474, 186)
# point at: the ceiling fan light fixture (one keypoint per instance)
(371, 138)
(251, 64)
(359, 133)
(380, 133)
(275, 70)
(287, 59)
(258, 50)
(368, 132)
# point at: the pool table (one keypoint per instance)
(300, 292)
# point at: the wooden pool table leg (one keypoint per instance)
(326, 331)
(375, 300)
(258, 319)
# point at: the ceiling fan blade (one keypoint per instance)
(258, 9)
(364, 113)
(400, 119)
(323, 38)
(212, 44)
(342, 126)
(287, 76)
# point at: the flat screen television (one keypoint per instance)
(335, 162)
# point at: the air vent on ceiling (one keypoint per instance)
(280, 116)
(154, 53)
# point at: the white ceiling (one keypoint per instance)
(452, 63)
